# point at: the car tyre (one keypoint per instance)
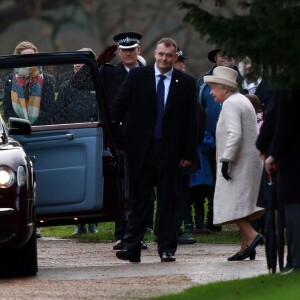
(21, 261)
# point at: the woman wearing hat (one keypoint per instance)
(238, 165)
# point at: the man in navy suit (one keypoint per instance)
(161, 146)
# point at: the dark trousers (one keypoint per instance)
(153, 174)
(292, 213)
(196, 197)
(121, 222)
(120, 227)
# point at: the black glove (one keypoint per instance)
(224, 170)
(106, 54)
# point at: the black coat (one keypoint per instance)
(179, 125)
(285, 146)
(267, 194)
(47, 101)
(112, 77)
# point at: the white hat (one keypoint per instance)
(222, 75)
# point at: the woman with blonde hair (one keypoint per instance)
(238, 164)
(29, 92)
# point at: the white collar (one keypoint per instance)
(157, 72)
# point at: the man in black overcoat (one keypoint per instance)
(161, 146)
(284, 159)
(112, 77)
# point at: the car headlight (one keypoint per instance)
(7, 177)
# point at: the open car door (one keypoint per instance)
(78, 167)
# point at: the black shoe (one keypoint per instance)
(144, 246)
(291, 271)
(167, 256)
(124, 255)
(93, 228)
(242, 255)
(118, 245)
(259, 239)
(287, 267)
(185, 240)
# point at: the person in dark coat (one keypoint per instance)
(29, 92)
(112, 77)
(283, 158)
(253, 84)
(161, 135)
(75, 105)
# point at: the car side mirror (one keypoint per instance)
(19, 126)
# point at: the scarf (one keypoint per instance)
(26, 93)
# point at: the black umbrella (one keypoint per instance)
(274, 223)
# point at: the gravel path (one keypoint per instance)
(73, 270)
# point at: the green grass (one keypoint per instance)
(265, 287)
(228, 235)
(106, 234)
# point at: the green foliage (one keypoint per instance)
(266, 287)
(267, 32)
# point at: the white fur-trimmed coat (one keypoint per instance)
(236, 134)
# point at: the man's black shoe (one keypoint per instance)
(167, 256)
(118, 245)
(185, 240)
(124, 255)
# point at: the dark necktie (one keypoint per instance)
(160, 107)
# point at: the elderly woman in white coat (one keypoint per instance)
(239, 167)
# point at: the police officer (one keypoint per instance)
(113, 76)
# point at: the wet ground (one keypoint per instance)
(72, 270)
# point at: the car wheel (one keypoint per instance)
(21, 261)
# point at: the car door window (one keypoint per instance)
(75, 169)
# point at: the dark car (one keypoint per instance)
(76, 154)
(17, 195)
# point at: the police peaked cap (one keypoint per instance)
(181, 57)
(128, 40)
